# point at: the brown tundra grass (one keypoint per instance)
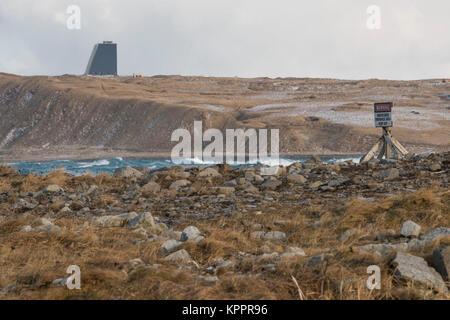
(32, 261)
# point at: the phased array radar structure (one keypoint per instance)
(103, 60)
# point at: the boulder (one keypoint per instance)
(296, 178)
(209, 172)
(128, 172)
(52, 188)
(412, 268)
(436, 234)
(271, 184)
(410, 229)
(151, 187)
(179, 184)
(441, 262)
(115, 221)
(179, 256)
(146, 221)
(191, 233)
(170, 246)
(274, 235)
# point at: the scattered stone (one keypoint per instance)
(316, 260)
(179, 256)
(435, 167)
(347, 234)
(115, 221)
(209, 172)
(266, 256)
(271, 184)
(315, 185)
(128, 172)
(226, 265)
(52, 188)
(170, 246)
(296, 178)
(151, 187)
(179, 184)
(441, 262)
(191, 233)
(26, 228)
(208, 279)
(409, 267)
(257, 234)
(436, 234)
(410, 229)
(382, 250)
(146, 221)
(292, 252)
(391, 174)
(274, 235)
(60, 282)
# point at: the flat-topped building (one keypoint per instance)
(103, 60)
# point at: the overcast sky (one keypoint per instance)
(245, 38)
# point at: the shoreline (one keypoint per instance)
(8, 156)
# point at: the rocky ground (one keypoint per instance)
(308, 232)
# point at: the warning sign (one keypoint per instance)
(383, 114)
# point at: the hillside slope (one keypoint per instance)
(122, 113)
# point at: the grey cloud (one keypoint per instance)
(244, 38)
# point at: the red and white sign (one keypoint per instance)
(383, 115)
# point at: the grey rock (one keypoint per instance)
(347, 234)
(296, 178)
(315, 185)
(115, 221)
(435, 167)
(170, 246)
(227, 264)
(179, 256)
(151, 187)
(436, 234)
(441, 262)
(391, 174)
(190, 233)
(275, 235)
(128, 172)
(271, 184)
(292, 252)
(257, 234)
(209, 172)
(52, 188)
(266, 256)
(179, 184)
(26, 228)
(146, 221)
(409, 267)
(383, 250)
(208, 279)
(410, 229)
(316, 260)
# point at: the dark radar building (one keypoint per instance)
(103, 60)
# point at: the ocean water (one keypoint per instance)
(97, 166)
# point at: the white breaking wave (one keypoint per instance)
(102, 162)
(264, 161)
